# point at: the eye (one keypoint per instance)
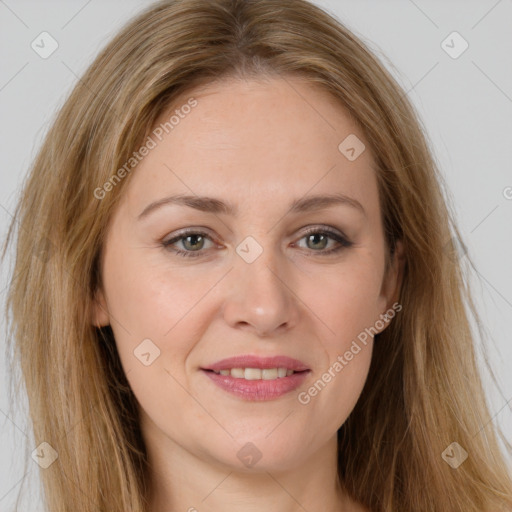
(317, 238)
(193, 241)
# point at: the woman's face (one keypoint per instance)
(253, 281)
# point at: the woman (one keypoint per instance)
(189, 348)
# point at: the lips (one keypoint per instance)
(257, 378)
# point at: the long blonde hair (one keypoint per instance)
(423, 391)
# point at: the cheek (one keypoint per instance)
(344, 381)
(154, 313)
(151, 300)
(169, 306)
(345, 301)
(339, 381)
(346, 312)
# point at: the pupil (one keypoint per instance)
(192, 237)
(318, 235)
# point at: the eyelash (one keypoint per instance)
(343, 241)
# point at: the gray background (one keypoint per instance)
(465, 104)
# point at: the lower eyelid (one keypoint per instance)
(341, 241)
(180, 238)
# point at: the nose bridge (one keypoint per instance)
(260, 296)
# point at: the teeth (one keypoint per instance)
(238, 373)
(252, 374)
(256, 373)
(269, 373)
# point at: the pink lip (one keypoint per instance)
(249, 361)
(258, 390)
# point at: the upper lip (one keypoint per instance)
(250, 361)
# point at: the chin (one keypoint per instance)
(261, 454)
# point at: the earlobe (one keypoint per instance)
(99, 313)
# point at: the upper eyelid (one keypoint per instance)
(305, 230)
(330, 231)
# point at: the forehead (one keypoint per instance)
(254, 141)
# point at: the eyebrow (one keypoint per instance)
(217, 206)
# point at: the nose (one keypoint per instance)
(261, 297)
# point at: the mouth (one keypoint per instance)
(256, 378)
(257, 373)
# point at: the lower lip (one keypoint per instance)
(258, 390)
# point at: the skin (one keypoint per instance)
(260, 145)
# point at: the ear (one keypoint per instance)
(99, 314)
(392, 281)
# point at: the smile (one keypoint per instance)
(256, 373)
(256, 378)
